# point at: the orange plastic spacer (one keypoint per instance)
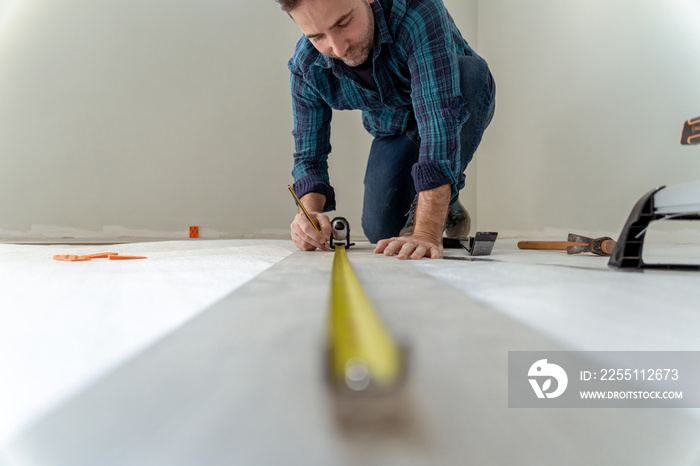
(101, 255)
(70, 258)
(194, 232)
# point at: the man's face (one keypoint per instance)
(341, 29)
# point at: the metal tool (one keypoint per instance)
(479, 245)
(575, 244)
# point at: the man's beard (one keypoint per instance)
(365, 47)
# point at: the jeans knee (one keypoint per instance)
(379, 227)
(371, 232)
(476, 81)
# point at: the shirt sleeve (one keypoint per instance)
(436, 95)
(312, 118)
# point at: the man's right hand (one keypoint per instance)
(304, 234)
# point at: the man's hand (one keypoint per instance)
(304, 234)
(415, 246)
(426, 240)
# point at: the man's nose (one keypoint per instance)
(339, 46)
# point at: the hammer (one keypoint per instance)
(576, 244)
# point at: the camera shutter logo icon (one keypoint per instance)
(544, 371)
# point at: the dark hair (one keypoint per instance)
(288, 5)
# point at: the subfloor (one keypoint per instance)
(211, 352)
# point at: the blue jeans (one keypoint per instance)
(389, 187)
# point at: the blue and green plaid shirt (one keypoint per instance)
(415, 67)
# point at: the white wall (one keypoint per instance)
(141, 118)
(145, 115)
(591, 97)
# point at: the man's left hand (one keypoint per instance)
(415, 246)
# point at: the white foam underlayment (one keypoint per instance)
(65, 324)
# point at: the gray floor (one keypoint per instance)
(241, 381)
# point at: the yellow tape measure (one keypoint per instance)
(363, 355)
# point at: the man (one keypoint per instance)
(425, 96)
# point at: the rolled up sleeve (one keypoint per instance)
(312, 118)
(437, 101)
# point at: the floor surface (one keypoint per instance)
(211, 351)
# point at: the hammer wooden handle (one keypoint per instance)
(548, 245)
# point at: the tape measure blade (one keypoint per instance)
(359, 340)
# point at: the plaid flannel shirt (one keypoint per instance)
(415, 67)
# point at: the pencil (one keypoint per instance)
(306, 212)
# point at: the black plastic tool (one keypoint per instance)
(479, 245)
(691, 132)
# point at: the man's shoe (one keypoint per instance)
(458, 222)
(411, 222)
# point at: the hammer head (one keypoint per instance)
(602, 246)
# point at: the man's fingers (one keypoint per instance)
(305, 236)
(300, 242)
(311, 235)
(324, 224)
(306, 245)
(408, 248)
(381, 245)
(393, 247)
(419, 253)
(389, 246)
